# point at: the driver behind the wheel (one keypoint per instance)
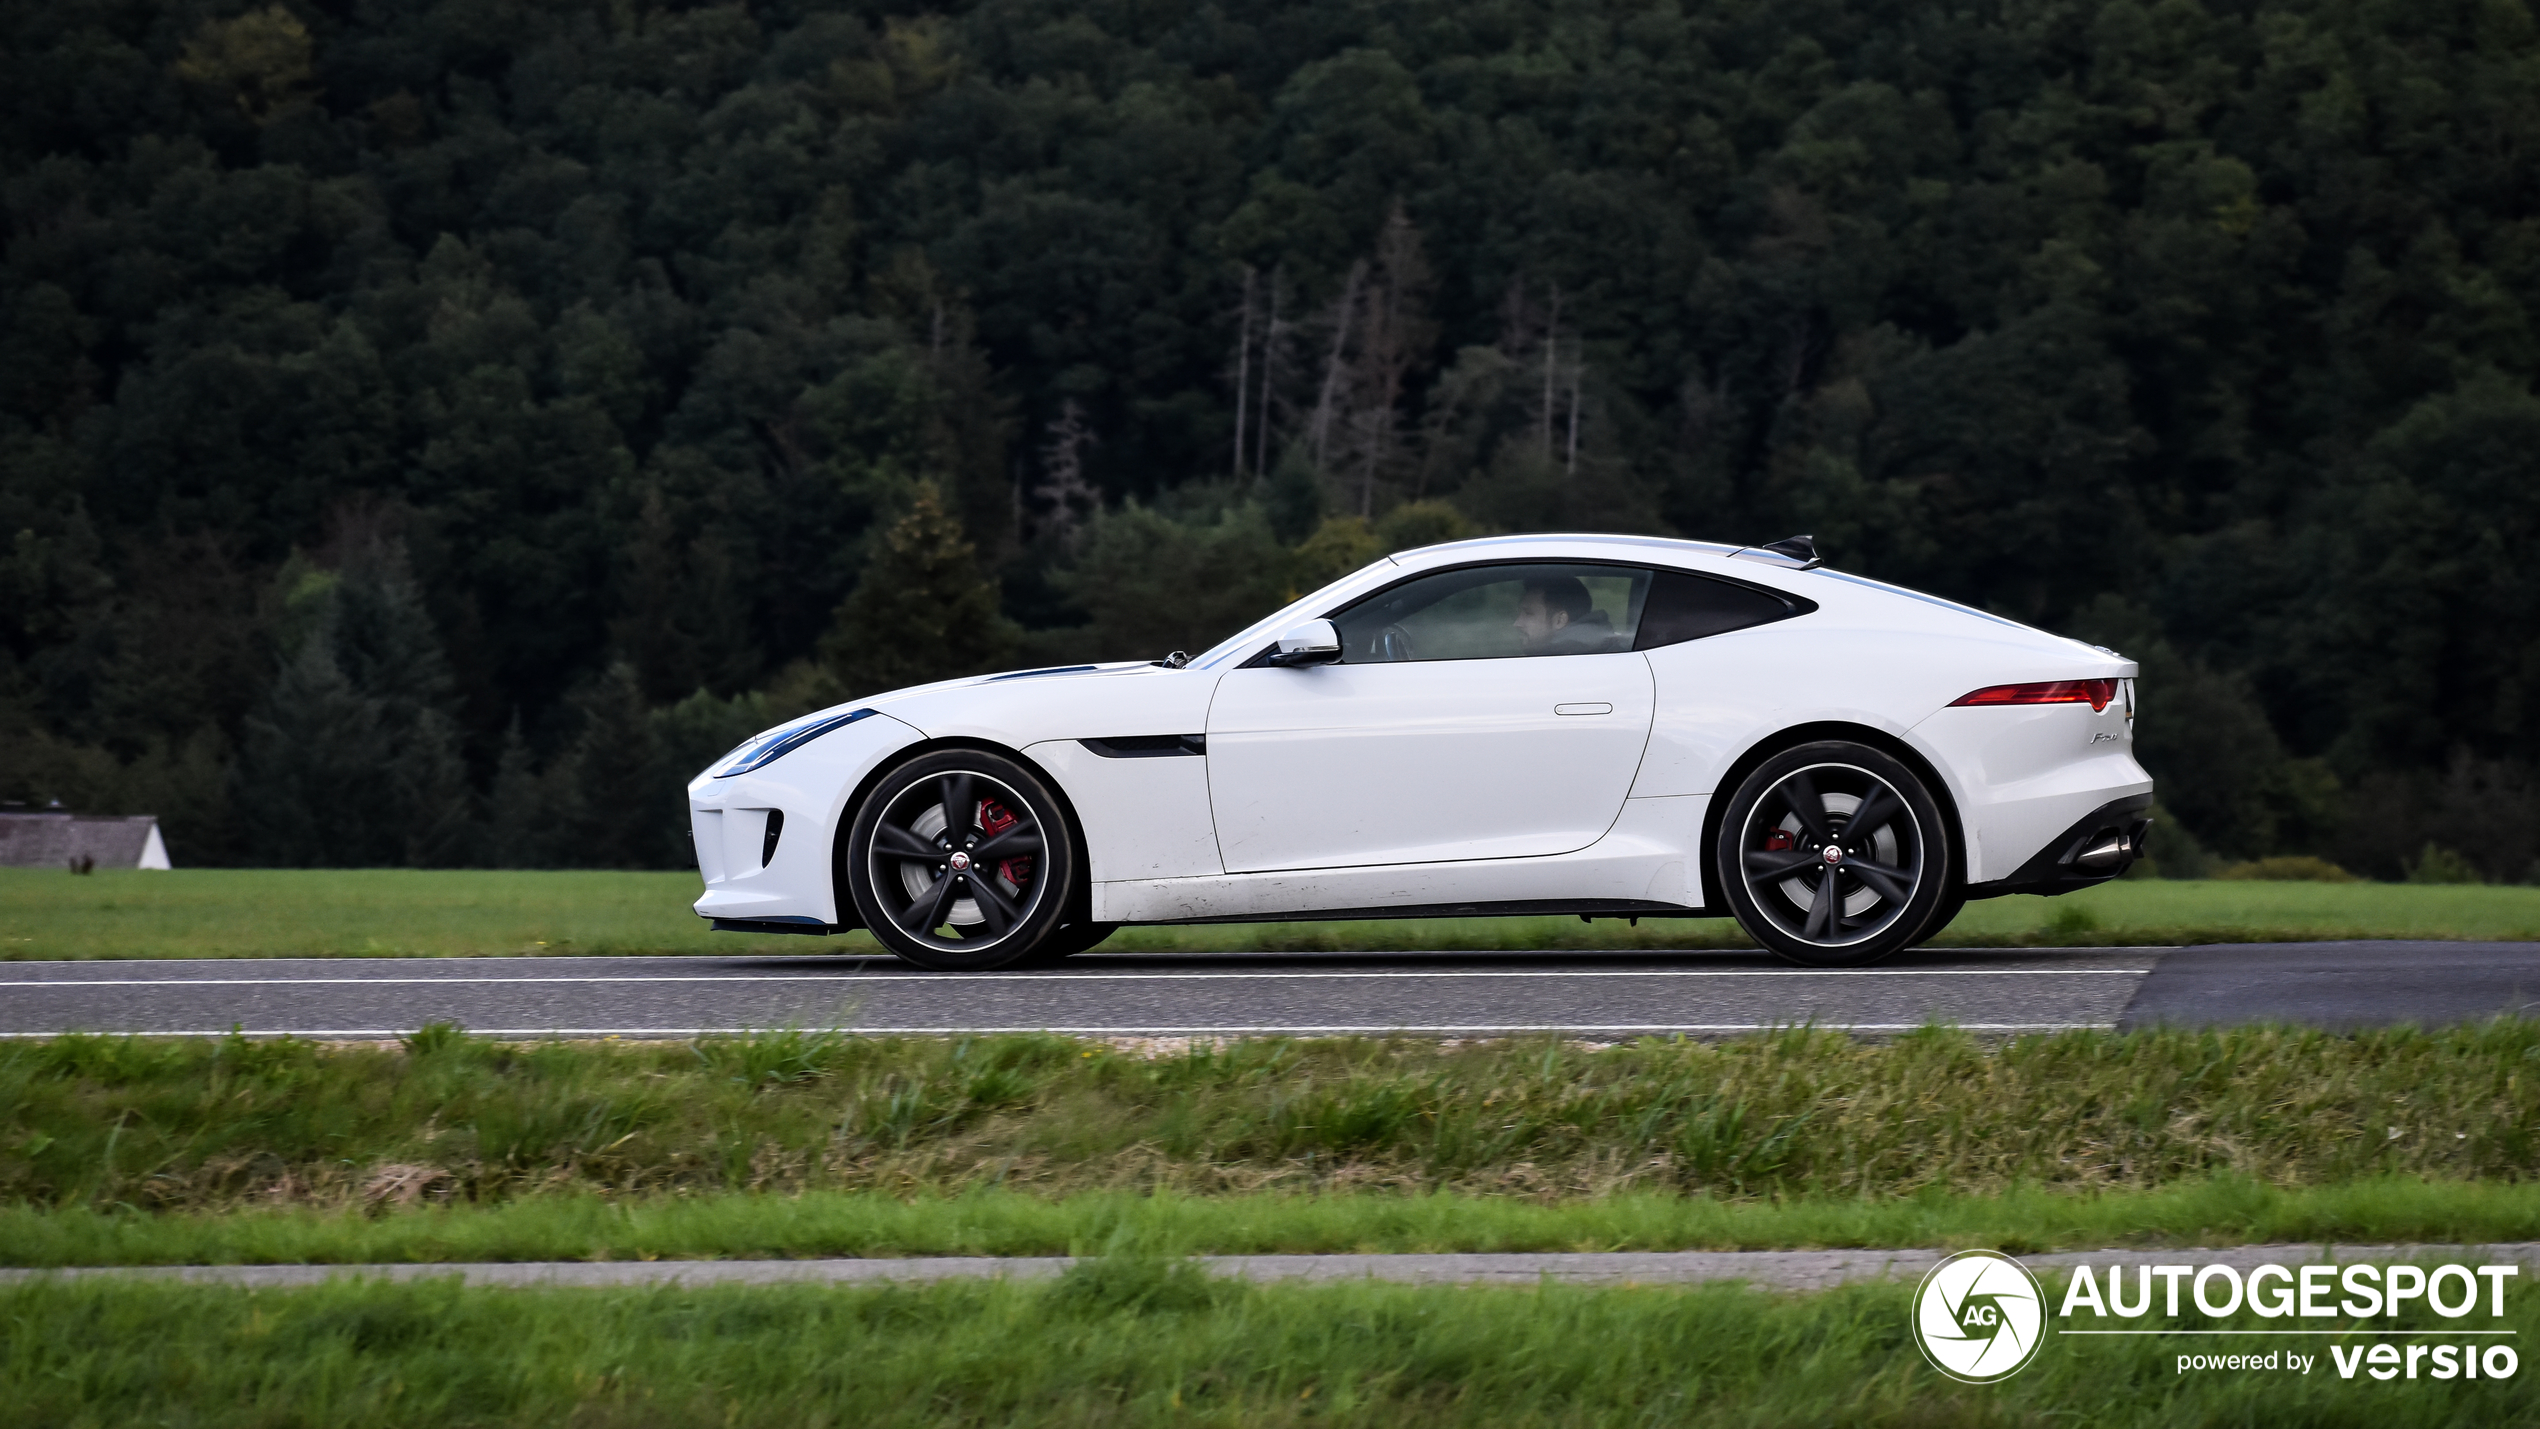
(1557, 616)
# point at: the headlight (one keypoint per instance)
(761, 750)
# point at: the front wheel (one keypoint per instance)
(1833, 855)
(961, 860)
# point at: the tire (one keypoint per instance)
(1888, 872)
(961, 860)
(1943, 914)
(1069, 939)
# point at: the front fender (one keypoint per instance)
(810, 787)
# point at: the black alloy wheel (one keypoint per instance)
(1833, 855)
(961, 860)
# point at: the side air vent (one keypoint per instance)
(775, 830)
(1147, 746)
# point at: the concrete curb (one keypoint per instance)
(1767, 1269)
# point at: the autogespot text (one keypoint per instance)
(2343, 1303)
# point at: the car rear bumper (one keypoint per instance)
(2096, 848)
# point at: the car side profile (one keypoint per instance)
(1597, 725)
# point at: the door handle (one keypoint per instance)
(1594, 708)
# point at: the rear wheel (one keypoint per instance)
(1833, 855)
(961, 860)
(1069, 939)
(1951, 905)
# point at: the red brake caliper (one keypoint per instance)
(994, 820)
(1780, 841)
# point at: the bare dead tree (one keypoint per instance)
(1022, 513)
(1243, 370)
(1801, 344)
(1578, 368)
(1470, 387)
(1528, 334)
(1395, 341)
(1272, 349)
(1063, 486)
(1551, 351)
(1344, 315)
(1515, 318)
(1701, 405)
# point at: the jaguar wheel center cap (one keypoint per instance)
(1834, 854)
(960, 862)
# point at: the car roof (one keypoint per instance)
(1752, 564)
(1582, 543)
(1759, 563)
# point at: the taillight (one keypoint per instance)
(2095, 693)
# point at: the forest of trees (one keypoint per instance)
(431, 429)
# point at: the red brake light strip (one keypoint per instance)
(2095, 693)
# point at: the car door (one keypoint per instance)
(1465, 719)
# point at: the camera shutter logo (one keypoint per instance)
(1979, 1316)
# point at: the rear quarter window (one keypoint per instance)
(1685, 607)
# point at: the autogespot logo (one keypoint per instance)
(1979, 1316)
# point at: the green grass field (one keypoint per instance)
(1120, 1341)
(191, 913)
(151, 1128)
(744, 1225)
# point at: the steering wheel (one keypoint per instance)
(1394, 643)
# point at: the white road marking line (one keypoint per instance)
(1059, 977)
(1151, 1031)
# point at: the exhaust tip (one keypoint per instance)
(2113, 848)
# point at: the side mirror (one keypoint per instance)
(1316, 642)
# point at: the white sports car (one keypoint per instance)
(1600, 725)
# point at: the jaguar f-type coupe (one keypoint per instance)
(1596, 725)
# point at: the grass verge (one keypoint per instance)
(191, 913)
(209, 1124)
(819, 1224)
(1123, 1342)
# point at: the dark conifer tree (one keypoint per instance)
(615, 804)
(391, 654)
(521, 812)
(312, 789)
(921, 611)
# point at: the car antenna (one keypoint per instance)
(1798, 553)
(1802, 548)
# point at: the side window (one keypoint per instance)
(1687, 607)
(1497, 612)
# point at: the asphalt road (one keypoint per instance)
(2340, 985)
